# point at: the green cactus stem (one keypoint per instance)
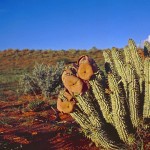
(109, 61)
(118, 108)
(133, 95)
(92, 124)
(135, 57)
(85, 124)
(127, 54)
(120, 66)
(88, 106)
(97, 135)
(137, 61)
(81, 118)
(147, 48)
(146, 110)
(99, 93)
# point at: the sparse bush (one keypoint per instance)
(44, 79)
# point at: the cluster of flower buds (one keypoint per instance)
(76, 81)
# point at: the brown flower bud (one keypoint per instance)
(65, 106)
(73, 84)
(85, 71)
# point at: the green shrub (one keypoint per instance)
(44, 79)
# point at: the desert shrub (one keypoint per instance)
(44, 79)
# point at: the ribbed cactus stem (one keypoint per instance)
(133, 95)
(88, 107)
(84, 122)
(135, 57)
(100, 77)
(107, 56)
(81, 119)
(127, 54)
(146, 110)
(98, 136)
(101, 139)
(99, 93)
(118, 108)
(137, 61)
(147, 46)
(108, 59)
(120, 66)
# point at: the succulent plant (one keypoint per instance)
(109, 107)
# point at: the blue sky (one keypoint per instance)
(79, 24)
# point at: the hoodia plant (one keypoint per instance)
(110, 105)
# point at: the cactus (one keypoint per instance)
(137, 61)
(120, 66)
(133, 95)
(135, 57)
(90, 121)
(100, 95)
(118, 107)
(146, 110)
(127, 54)
(147, 48)
(109, 65)
(110, 104)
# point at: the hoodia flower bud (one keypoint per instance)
(72, 83)
(67, 72)
(68, 96)
(83, 60)
(85, 71)
(65, 106)
(86, 67)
